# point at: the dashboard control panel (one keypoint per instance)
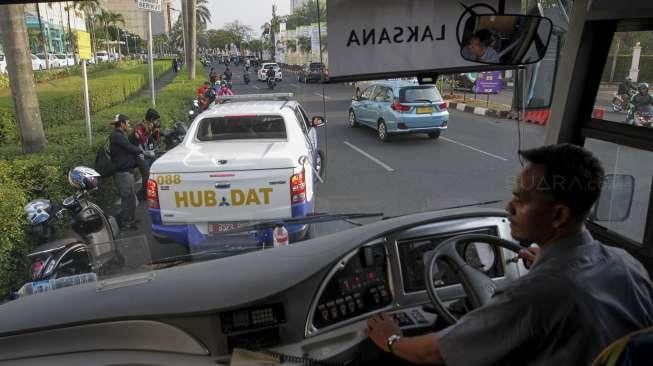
(242, 320)
(360, 287)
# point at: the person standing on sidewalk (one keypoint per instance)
(123, 156)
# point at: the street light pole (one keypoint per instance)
(127, 42)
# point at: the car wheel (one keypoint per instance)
(353, 122)
(382, 131)
(434, 135)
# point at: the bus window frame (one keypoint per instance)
(581, 80)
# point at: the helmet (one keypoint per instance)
(37, 211)
(642, 86)
(628, 78)
(152, 115)
(84, 178)
(210, 95)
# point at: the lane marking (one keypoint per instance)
(255, 87)
(384, 165)
(473, 148)
(322, 96)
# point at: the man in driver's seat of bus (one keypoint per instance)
(578, 296)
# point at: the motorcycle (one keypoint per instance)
(174, 136)
(92, 249)
(272, 82)
(620, 101)
(246, 78)
(643, 117)
(228, 83)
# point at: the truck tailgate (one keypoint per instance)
(224, 196)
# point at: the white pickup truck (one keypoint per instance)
(243, 162)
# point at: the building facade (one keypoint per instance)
(57, 24)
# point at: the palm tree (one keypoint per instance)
(114, 19)
(90, 9)
(202, 13)
(13, 33)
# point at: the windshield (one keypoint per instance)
(301, 147)
(420, 94)
(238, 128)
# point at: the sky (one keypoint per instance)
(251, 12)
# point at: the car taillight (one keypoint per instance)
(152, 194)
(297, 188)
(399, 107)
(442, 106)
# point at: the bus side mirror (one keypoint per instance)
(616, 198)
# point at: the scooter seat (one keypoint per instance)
(54, 245)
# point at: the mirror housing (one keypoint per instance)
(318, 121)
(616, 198)
(510, 39)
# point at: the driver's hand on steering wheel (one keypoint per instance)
(529, 255)
(380, 327)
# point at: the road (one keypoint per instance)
(474, 160)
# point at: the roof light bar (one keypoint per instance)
(268, 96)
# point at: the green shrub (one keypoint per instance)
(65, 101)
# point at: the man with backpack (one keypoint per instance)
(124, 156)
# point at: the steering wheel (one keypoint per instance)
(478, 286)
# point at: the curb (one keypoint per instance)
(488, 112)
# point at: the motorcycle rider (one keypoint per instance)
(270, 74)
(209, 99)
(202, 89)
(639, 100)
(213, 76)
(224, 91)
(124, 155)
(227, 74)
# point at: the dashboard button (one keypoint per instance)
(325, 315)
(352, 307)
(334, 313)
(343, 309)
(359, 303)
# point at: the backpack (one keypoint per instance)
(103, 163)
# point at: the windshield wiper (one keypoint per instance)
(304, 220)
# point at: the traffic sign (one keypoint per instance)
(149, 5)
(84, 45)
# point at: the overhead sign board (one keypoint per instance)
(368, 37)
(149, 5)
(84, 45)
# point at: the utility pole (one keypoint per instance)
(192, 37)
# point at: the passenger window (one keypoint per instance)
(622, 96)
(618, 159)
(367, 94)
(300, 119)
(382, 95)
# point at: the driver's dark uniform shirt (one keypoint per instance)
(578, 297)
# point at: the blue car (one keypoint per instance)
(400, 107)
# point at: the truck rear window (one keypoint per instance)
(426, 93)
(241, 128)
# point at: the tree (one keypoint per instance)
(13, 33)
(192, 37)
(256, 46)
(304, 44)
(291, 45)
(44, 48)
(114, 19)
(203, 14)
(240, 32)
(306, 14)
(220, 38)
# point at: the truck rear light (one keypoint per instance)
(442, 106)
(152, 194)
(297, 188)
(399, 107)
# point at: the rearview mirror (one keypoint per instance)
(318, 121)
(616, 198)
(505, 39)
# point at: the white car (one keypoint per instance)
(52, 59)
(37, 63)
(263, 71)
(252, 158)
(64, 60)
(102, 56)
(3, 64)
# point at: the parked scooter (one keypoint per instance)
(92, 249)
(174, 136)
(643, 117)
